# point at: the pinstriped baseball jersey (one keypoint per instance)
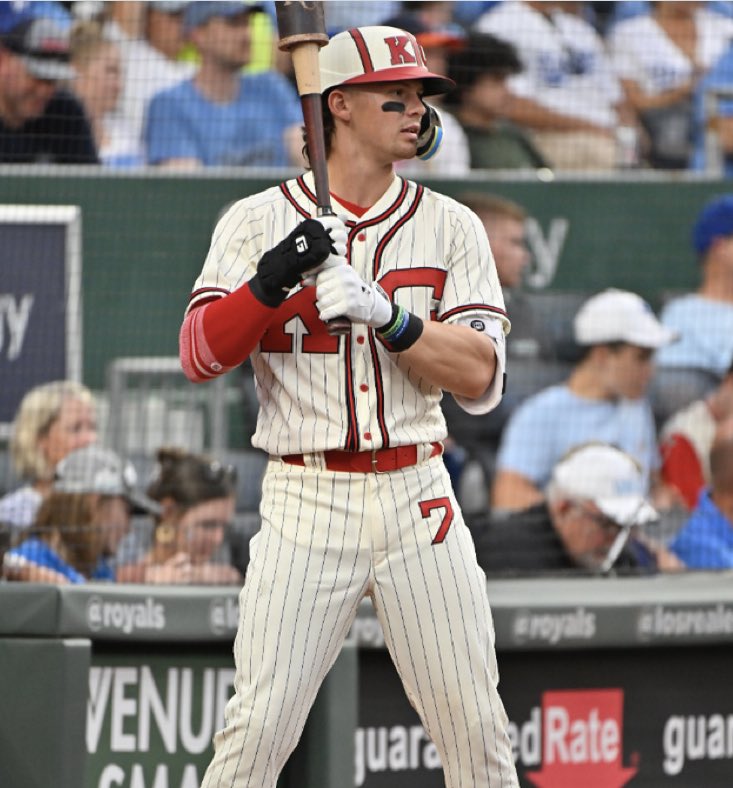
(317, 391)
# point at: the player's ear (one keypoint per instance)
(339, 103)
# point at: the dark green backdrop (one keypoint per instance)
(144, 239)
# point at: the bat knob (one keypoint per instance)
(338, 326)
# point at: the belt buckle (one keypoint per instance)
(375, 462)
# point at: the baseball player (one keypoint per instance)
(356, 500)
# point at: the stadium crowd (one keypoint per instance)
(540, 85)
(621, 460)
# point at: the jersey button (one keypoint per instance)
(367, 436)
(364, 387)
(360, 340)
(361, 237)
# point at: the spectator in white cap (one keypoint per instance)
(222, 117)
(593, 519)
(39, 121)
(604, 399)
(82, 521)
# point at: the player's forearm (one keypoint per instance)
(220, 335)
(455, 358)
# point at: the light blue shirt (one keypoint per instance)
(182, 124)
(550, 423)
(706, 539)
(706, 334)
(720, 75)
(38, 552)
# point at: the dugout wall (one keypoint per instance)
(607, 682)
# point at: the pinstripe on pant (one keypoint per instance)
(327, 540)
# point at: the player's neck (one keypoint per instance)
(358, 180)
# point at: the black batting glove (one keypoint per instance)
(283, 266)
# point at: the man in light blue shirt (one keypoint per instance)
(602, 400)
(222, 117)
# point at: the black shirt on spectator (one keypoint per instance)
(61, 135)
(526, 543)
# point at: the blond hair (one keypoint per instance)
(37, 412)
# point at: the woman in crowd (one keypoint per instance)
(187, 545)
(53, 420)
(81, 521)
(98, 85)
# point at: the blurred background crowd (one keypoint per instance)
(612, 450)
(595, 86)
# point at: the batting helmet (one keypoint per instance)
(377, 54)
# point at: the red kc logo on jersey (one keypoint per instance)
(399, 54)
(582, 742)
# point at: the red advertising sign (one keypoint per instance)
(582, 740)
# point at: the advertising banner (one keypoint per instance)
(151, 717)
(40, 300)
(601, 718)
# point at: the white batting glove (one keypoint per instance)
(336, 228)
(341, 292)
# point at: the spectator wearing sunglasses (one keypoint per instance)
(187, 544)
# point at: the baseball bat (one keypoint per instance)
(302, 32)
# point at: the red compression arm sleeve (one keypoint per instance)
(220, 335)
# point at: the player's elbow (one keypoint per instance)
(478, 375)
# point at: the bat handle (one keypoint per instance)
(337, 325)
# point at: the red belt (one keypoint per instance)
(374, 461)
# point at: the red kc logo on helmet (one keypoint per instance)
(400, 55)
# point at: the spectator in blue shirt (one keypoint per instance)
(81, 523)
(706, 540)
(222, 117)
(602, 400)
(713, 124)
(704, 319)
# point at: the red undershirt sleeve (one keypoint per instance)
(219, 335)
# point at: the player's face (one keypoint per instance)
(586, 532)
(74, 428)
(387, 136)
(508, 244)
(204, 526)
(629, 371)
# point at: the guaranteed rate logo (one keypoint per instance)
(582, 740)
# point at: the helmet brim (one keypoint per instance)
(433, 84)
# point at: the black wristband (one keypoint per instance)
(402, 331)
(269, 297)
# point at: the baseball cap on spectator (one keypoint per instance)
(94, 469)
(610, 478)
(715, 220)
(200, 12)
(43, 47)
(620, 316)
(169, 6)
(449, 36)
